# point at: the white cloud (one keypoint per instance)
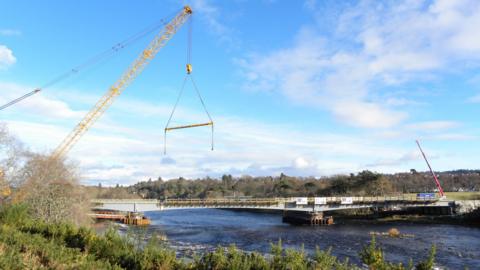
(6, 57)
(113, 152)
(374, 45)
(39, 105)
(363, 114)
(301, 163)
(385, 46)
(117, 151)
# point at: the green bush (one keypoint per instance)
(428, 263)
(29, 244)
(231, 259)
(16, 214)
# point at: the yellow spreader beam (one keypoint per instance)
(190, 126)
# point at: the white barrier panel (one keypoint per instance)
(320, 200)
(301, 201)
(347, 200)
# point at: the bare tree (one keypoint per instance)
(52, 191)
(12, 154)
(50, 187)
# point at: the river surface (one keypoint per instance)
(199, 230)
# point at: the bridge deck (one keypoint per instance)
(329, 203)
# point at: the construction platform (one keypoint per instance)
(307, 218)
(129, 218)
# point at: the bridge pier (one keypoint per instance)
(313, 218)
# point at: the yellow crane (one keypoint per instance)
(130, 74)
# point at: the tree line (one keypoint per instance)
(365, 183)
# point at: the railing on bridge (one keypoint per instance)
(275, 201)
(224, 201)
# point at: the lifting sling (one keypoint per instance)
(188, 77)
(209, 123)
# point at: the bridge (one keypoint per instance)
(301, 210)
(299, 204)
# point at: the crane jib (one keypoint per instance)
(128, 76)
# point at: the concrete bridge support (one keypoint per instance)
(313, 218)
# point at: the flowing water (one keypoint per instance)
(198, 230)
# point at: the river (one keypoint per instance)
(198, 230)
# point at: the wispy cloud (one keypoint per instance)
(430, 126)
(374, 45)
(210, 14)
(10, 32)
(398, 160)
(474, 99)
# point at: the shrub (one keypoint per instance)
(429, 262)
(324, 260)
(28, 244)
(371, 255)
(16, 214)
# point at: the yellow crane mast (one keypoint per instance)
(130, 74)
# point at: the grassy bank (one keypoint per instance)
(29, 244)
(461, 195)
(475, 195)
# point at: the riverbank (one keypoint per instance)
(30, 244)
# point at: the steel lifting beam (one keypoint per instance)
(190, 126)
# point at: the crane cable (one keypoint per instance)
(95, 59)
(189, 76)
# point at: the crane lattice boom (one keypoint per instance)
(130, 74)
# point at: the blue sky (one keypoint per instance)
(307, 88)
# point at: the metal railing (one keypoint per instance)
(407, 198)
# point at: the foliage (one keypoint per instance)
(14, 214)
(324, 260)
(373, 257)
(365, 183)
(429, 262)
(32, 244)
